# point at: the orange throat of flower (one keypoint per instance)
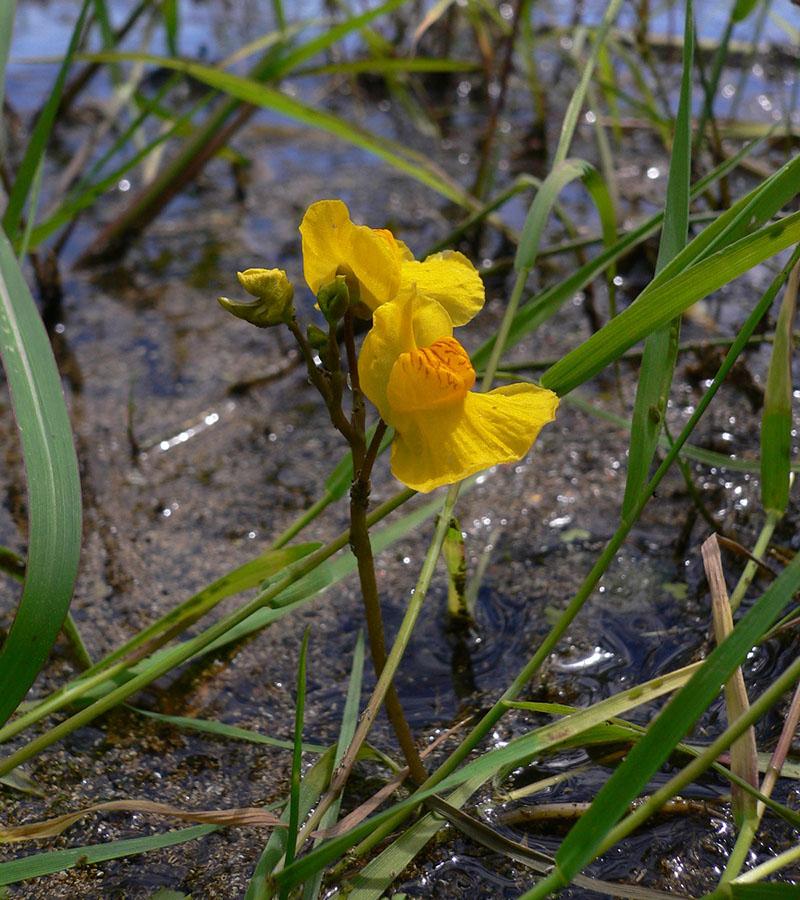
(430, 377)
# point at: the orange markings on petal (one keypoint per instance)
(430, 377)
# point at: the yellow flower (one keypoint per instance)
(420, 378)
(382, 265)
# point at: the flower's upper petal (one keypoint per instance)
(398, 327)
(451, 279)
(402, 249)
(444, 445)
(331, 240)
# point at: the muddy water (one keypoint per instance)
(185, 479)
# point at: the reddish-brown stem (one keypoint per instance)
(360, 544)
(374, 446)
(330, 387)
(319, 381)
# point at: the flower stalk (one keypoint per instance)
(329, 383)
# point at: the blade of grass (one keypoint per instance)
(776, 421)
(40, 135)
(776, 426)
(220, 729)
(389, 65)
(579, 94)
(527, 251)
(54, 497)
(311, 889)
(38, 864)
(661, 346)
(748, 886)
(170, 13)
(313, 784)
(297, 756)
(7, 11)
(667, 300)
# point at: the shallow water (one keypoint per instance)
(184, 480)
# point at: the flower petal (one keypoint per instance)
(444, 445)
(451, 279)
(331, 240)
(407, 322)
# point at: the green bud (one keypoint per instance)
(351, 281)
(317, 337)
(273, 292)
(334, 299)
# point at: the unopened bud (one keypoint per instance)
(334, 299)
(273, 292)
(317, 337)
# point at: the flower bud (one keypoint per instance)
(317, 337)
(334, 299)
(273, 292)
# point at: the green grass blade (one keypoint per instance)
(390, 65)
(314, 783)
(661, 347)
(742, 9)
(760, 891)
(220, 729)
(348, 728)
(776, 420)
(667, 300)
(7, 11)
(579, 94)
(170, 13)
(543, 202)
(40, 135)
(54, 495)
(38, 864)
(297, 754)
